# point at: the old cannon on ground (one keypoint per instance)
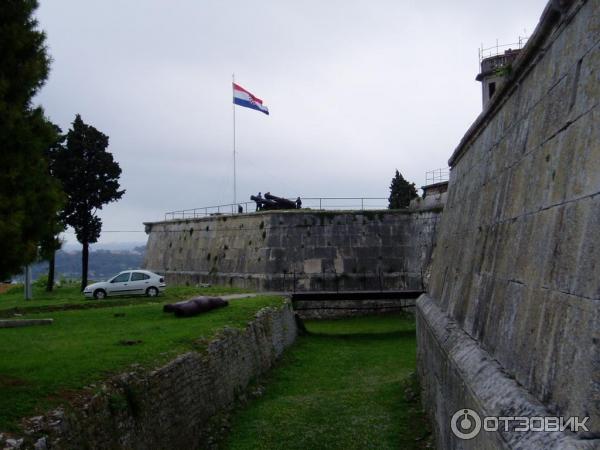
(195, 306)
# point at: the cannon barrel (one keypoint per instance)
(284, 203)
(265, 204)
(195, 306)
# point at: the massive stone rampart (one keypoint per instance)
(511, 322)
(283, 250)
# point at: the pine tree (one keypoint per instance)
(401, 192)
(49, 245)
(51, 242)
(29, 196)
(90, 179)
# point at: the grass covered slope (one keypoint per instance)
(70, 297)
(40, 366)
(346, 385)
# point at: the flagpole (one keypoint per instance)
(234, 174)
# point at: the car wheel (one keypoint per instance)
(99, 294)
(151, 292)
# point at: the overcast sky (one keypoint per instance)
(355, 89)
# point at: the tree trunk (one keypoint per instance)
(84, 265)
(50, 283)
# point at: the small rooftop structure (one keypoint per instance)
(495, 63)
(435, 189)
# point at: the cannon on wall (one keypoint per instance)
(272, 202)
(262, 204)
(284, 203)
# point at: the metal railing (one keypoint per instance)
(345, 203)
(437, 176)
(204, 211)
(498, 49)
(314, 203)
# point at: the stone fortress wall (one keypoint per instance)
(510, 325)
(297, 249)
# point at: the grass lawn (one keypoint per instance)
(41, 365)
(69, 297)
(346, 385)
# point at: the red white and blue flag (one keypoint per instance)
(244, 98)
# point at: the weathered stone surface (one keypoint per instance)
(457, 374)
(516, 267)
(172, 406)
(14, 443)
(40, 444)
(314, 250)
(336, 309)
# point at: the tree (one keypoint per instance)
(29, 196)
(49, 245)
(90, 179)
(401, 192)
(51, 242)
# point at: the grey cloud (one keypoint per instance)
(355, 88)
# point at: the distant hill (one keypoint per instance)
(73, 246)
(102, 263)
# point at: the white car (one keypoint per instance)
(129, 282)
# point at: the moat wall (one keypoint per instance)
(338, 309)
(173, 406)
(511, 322)
(301, 250)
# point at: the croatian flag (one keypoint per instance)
(244, 98)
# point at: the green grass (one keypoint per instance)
(69, 297)
(346, 385)
(40, 366)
